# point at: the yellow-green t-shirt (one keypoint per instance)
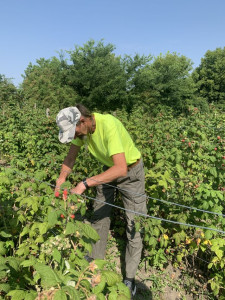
(110, 137)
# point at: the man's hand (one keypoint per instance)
(79, 189)
(58, 184)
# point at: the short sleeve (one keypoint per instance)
(77, 142)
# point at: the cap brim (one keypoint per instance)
(67, 136)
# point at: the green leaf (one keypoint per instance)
(9, 243)
(52, 218)
(48, 277)
(220, 195)
(25, 231)
(17, 294)
(99, 288)
(208, 234)
(87, 244)
(122, 297)
(60, 295)
(43, 227)
(110, 277)
(113, 295)
(80, 262)
(88, 231)
(57, 255)
(177, 238)
(5, 235)
(39, 240)
(213, 285)
(70, 228)
(2, 259)
(219, 253)
(179, 258)
(156, 231)
(100, 263)
(32, 295)
(3, 267)
(123, 289)
(74, 294)
(210, 265)
(163, 183)
(5, 287)
(101, 297)
(213, 172)
(28, 263)
(14, 263)
(3, 274)
(3, 250)
(152, 241)
(137, 226)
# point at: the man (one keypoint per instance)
(108, 141)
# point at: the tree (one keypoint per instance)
(45, 83)
(97, 76)
(210, 76)
(167, 81)
(8, 92)
(132, 66)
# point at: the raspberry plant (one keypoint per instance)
(42, 253)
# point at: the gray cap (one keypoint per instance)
(67, 120)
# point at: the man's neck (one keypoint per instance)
(93, 125)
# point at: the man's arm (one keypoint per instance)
(67, 165)
(119, 169)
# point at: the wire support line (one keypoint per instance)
(156, 218)
(164, 201)
(160, 200)
(110, 185)
(132, 211)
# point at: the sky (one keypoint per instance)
(34, 29)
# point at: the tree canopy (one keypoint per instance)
(210, 76)
(167, 81)
(95, 76)
(45, 84)
(8, 92)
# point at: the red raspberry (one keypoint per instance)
(72, 216)
(56, 194)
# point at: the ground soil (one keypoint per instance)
(167, 283)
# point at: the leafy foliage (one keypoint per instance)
(97, 76)
(44, 238)
(45, 84)
(210, 76)
(167, 82)
(8, 92)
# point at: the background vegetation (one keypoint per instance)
(176, 117)
(94, 75)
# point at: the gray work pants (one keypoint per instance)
(134, 198)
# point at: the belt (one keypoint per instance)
(133, 164)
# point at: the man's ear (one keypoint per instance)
(82, 119)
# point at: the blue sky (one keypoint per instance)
(31, 29)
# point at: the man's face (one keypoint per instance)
(81, 129)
